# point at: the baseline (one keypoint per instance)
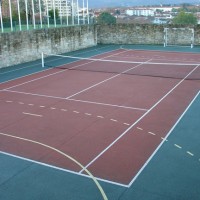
(136, 122)
(164, 139)
(65, 155)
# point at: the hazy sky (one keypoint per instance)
(105, 3)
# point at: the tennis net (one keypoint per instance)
(175, 70)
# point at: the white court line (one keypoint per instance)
(126, 131)
(32, 114)
(163, 141)
(178, 146)
(191, 154)
(42, 77)
(162, 51)
(89, 102)
(106, 104)
(62, 169)
(108, 79)
(50, 61)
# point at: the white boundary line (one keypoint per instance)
(51, 68)
(106, 104)
(108, 79)
(163, 141)
(39, 63)
(61, 169)
(126, 131)
(32, 114)
(172, 51)
(89, 102)
(59, 71)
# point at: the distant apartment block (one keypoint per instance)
(151, 11)
(140, 12)
(64, 7)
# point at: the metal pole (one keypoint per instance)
(83, 12)
(19, 17)
(1, 17)
(40, 13)
(61, 12)
(33, 12)
(27, 24)
(47, 13)
(88, 20)
(72, 12)
(78, 11)
(54, 12)
(10, 10)
(67, 12)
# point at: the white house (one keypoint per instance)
(140, 12)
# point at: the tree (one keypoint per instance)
(185, 18)
(106, 18)
(29, 8)
(51, 13)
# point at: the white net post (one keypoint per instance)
(192, 38)
(42, 59)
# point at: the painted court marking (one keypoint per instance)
(65, 110)
(89, 102)
(62, 169)
(65, 155)
(58, 72)
(164, 139)
(32, 114)
(108, 79)
(126, 131)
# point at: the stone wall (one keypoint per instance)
(19, 47)
(144, 34)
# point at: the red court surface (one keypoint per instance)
(109, 122)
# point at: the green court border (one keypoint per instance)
(174, 178)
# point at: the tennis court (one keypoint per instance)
(107, 122)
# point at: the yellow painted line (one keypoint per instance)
(176, 145)
(67, 156)
(31, 114)
(191, 154)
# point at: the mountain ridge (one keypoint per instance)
(127, 3)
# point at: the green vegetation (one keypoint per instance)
(106, 18)
(185, 18)
(51, 13)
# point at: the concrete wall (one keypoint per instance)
(144, 34)
(19, 47)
